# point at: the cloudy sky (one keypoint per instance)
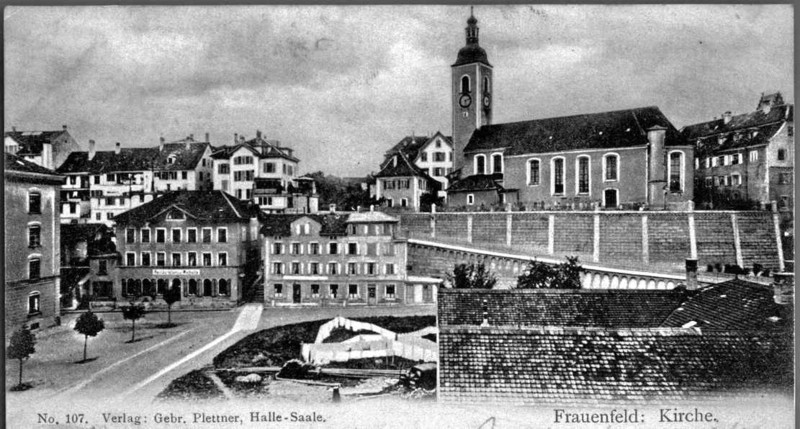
(343, 84)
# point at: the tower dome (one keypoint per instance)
(472, 52)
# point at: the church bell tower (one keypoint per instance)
(472, 93)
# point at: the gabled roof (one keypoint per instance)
(536, 365)
(400, 166)
(279, 225)
(410, 146)
(711, 145)
(558, 307)
(752, 120)
(184, 158)
(209, 206)
(31, 141)
(476, 182)
(606, 130)
(17, 164)
(259, 147)
(735, 304)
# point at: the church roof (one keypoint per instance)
(605, 130)
(472, 53)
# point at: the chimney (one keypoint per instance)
(191, 137)
(241, 138)
(188, 142)
(160, 144)
(14, 128)
(206, 137)
(657, 176)
(64, 127)
(783, 287)
(258, 134)
(91, 149)
(726, 117)
(691, 273)
(118, 148)
(485, 322)
(235, 138)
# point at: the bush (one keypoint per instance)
(539, 275)
(472, 276)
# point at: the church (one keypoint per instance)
(628, 159)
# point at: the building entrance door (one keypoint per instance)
(372, 298)
(611, 198)
(296, 293)
(176, 284)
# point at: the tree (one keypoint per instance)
(171, 296)
(472, 276)
(21, 347)
(89, 325)
(428, 199)
(539, 275)
(133, 312)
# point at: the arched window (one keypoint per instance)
(207, 287)
(610, 167)
(480, 164)
(465, 88)
(223, 287)
(675, 171)
(534, 172)
(497, 163)
(192, 287)
(557, 176)
(582, 175)
(486, 88)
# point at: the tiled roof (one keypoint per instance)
(31, 141)
(752, 120)
(14, 163)
(370, 217)
(476, 182)
(279, 225)
(260, 148)
(735, 304)
(400, 166)
(210, 206)
(711, 146)
(607, 130)
(530, 365)
(136, 159)
(411, 145)
(558, 307)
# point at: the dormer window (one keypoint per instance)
(171, 159)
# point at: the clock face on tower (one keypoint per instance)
(465, 100)
(486, 101)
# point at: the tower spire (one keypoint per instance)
(472, 28)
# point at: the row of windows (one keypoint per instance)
(496, 166)
(176, 259)
(397, 184)
(466, 85)
(732, 180)
(171, 175)
(610, 171)
(389, 291)
(269, 167)
(332, 268)
(177, 234)
(246, 195)
(437, 156)
(439, 171)
(242, 160)
(244, 176)
(333, 248)
(193, 287)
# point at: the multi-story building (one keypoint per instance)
(204, 242)
(45, 148)
(338, 259)
(237, 167)
(434, 155)
(632, 156)
(32, 252)
(746, 159)
(401, 183)
(102, 184)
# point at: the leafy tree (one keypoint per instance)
(133, 312)
(171, 296)
(89, 325)
(472, 276)
(538, 275)
(21, 347)
(428, 199)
